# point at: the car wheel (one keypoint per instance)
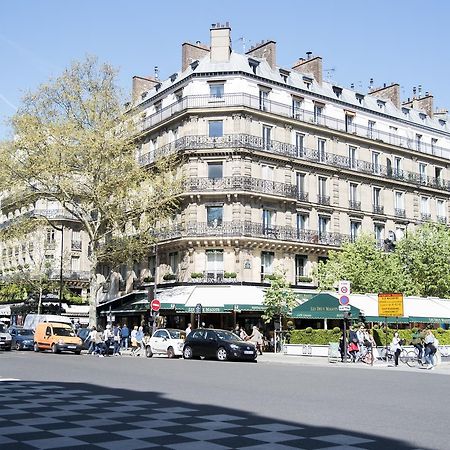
(17, 345)
(77, 352)
(187, 352)
(170, 352)
(36, 347)
(148, 351)
(8, 349)
(55, 348)
(222, 354)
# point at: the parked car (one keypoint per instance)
(220, 344)
(83, 334)
(5, 337)
(166, 341)
(22, 338)
(56, 337)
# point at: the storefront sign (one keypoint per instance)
(390, 305)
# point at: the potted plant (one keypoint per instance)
(195, 275)
(148, 279)
(169, 277)
(230, 275)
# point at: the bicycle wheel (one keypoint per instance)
(368, 358)
(411, 358)
(404, 356)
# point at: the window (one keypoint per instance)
(75, 264)
(300, 266)
(321, 143)
(267, 172)
(322, 189)
(301, 183)
(399, 233)
(158, 106)
(215, 170)
(173, 262)
(423, 172)
(215, 128)
(418, 142)
(376, 162)
(371, 129)
(296, 107)
(354, 203)
(381, 104)
(324, 225)
(433, 145)
(352, 157)
(264, 99)
(216, 90)
(424, 205)
(359, 98)
(379, 232)
(214, 264)
(438, 175)
(214, 216)
(397, 166)
(299, 144)
(337, 91)
(302, 223)
(266, 263)
(355, 229)
(76, 235)
(440, 211)
(266, 132)
(267, 219)
(376, 199)
(318, 113)
(50, 234)
(349, 127)
(393, 135)
(399, 201)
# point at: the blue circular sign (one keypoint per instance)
(344, 300)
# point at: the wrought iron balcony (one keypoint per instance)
(353, 204)
(441, 219)
(323, 200)
(244, 100)
(378, 209)
(250, 142)
(425, 216)
(302, 196)
(76, 246)
(243, 183)
(400, 212)
(243, 229)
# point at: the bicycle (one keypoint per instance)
(366, 356)
(403, 357)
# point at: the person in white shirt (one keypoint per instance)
(188, 329)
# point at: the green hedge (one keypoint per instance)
(323, 337)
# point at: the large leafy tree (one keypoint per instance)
(74, 145)
(366, 266)
(424, 256)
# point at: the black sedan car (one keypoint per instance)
(220, 344)
(22, 338)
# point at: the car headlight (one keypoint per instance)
(234, 346)
(60, 342)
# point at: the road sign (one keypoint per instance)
(155, 305)
(344, 292)
(390, 305)
(198, 308)
(344, 307)
(344, 300)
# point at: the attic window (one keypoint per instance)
(144, 94)
(308, 81)
(422, 116)
(405, 111)
(359, 98)
(381, 104)
(284, 74)
(442, 122)
(253, 63)
(337, 91)
(158, 86)
(173, 77)
(194, 64)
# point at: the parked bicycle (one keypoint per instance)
(404, 355)
(365, 356)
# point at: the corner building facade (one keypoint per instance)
(280, 167)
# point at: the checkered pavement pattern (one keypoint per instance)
(37, 415)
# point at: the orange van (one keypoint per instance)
(56, 337)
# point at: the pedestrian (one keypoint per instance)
(430, 349)
(134, 344)
(107, 339)
(139, 341)
(92, 338)
(341, 346)
(125, 336)
(416, 341)
(257, 339)
(396, 347)
(360, 336)
(243, 335)
(117, 338)
(188, 329)
(99, 348)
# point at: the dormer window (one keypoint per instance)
(381, 104)
(308, 82)
(158, 86)
(359, 98)
(422, 116)
(337, 91)
(405, 111)
(173, 77)
(194, 64)
(144, 94)
(284, 74)
(442, 122)
(253, 63)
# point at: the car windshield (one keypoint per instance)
(60, 331)
(177, 334)
(227, 336)
(25, 332)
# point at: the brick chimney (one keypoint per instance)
(265, 50)
(423, 103)
(310, 65)
(220, 42)
(191, 52)
(141, 85)
(391, 93)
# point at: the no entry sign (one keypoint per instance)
(155, 305)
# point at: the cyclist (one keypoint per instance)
(416, 341)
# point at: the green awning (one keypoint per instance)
(243, 307)
(389, 319)
(322, 306)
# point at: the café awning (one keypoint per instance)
(321, 306)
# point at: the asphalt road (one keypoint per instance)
(388, 408)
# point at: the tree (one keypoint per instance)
(74, 145)
(424, 256)
(367, 267)
(279, 298)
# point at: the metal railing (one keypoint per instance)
(251, 142)
(353, 204)
(76, 245)
(323, 200)
(399, 212)
(441, 219)
(425, 216)
(378, 209)
(286, 110)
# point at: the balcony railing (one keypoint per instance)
(425, 216)
(213, 276)
(441, 219)
(76, 246)
(242, 183)
(400, 212)
(302, 196)
(243, 229)
(353, 204)
(282, 109)
(323, 200)
(245, 141)
(378, 209)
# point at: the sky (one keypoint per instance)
(403, 41)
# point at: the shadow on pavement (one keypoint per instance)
(38, 415)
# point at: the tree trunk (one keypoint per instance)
(40, 300)
(93, 290)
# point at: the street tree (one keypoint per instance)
(74, 145)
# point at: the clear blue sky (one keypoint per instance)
(406, 41)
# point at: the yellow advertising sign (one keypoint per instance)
(390, 305)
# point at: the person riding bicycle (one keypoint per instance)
(417, 342)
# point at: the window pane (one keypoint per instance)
(215, 170)
(215, 128)
(216, 90)
(214, 215)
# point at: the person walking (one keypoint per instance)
(107, 339)
(396, 347)
(125, 336)
(134, 344)
(92, 337)
(243, 334)
(139, 341)
(188, 329)
(416, 341)
(117, 338)
(430, 349)
(256, 338)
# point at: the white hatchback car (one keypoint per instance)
(166, 341)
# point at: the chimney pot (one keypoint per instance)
(308, 55)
